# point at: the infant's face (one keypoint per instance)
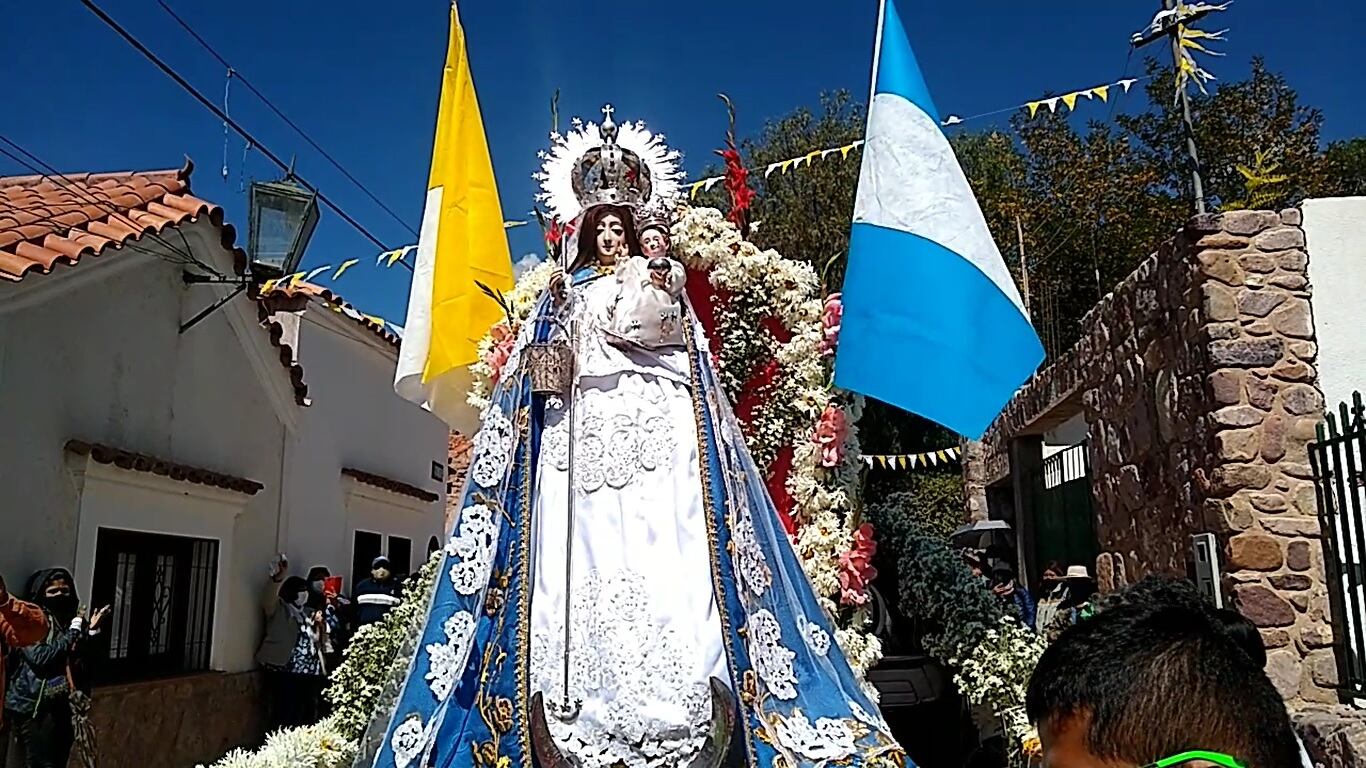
(654, 242)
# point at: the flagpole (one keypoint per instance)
(877, 52)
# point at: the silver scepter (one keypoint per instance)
(568, 709)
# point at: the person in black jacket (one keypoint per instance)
(47, 676)
(377, 594)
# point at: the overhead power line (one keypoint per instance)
(237, 74)
(221, 115)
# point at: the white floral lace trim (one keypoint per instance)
(828, 739)
(408, 740)
(632, 671)
(876, 722)
(772, 660)
(472, 549)
(446, 661)
(817, 639)
(492, 448)
(753, 567)
(615, 442)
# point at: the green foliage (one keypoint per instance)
(1261, 183)
(931, 500)
(1233, 123)
(1344, 169)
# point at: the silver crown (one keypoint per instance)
(657, 215)
(609, 173)
(591, 165)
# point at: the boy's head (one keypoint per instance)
(1141, 683)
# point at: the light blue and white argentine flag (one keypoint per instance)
(932, 321)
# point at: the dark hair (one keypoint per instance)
(1243, 633)
(1002, 574)
(1157, 592)
(318, 573)
(291, 588)
(1149, 683)
(588, 231)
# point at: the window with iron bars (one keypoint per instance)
(161, 592)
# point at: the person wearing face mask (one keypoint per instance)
(377, 594)
(334, 614)
(47, 692)
(291, 652)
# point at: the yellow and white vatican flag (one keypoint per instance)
(462, 242)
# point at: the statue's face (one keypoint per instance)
(654, 242)
(611, 239)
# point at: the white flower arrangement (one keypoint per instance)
(762, 284)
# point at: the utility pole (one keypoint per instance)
(1024, 267)
(1168, 24)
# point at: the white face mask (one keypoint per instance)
(301, 599)
(318, 585)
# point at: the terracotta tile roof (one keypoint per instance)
(48, 223)
(393, 486)
(142, 463)
(45, 223)
(332, 301)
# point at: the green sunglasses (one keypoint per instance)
(1218, 758)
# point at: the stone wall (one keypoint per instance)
(178, 722)
(1197, 379)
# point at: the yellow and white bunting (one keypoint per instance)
(912, 460)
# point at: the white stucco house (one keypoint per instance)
(166, 466)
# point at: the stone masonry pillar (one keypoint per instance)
(1265, 401)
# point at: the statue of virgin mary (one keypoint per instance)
(618, 590)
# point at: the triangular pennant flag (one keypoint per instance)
(309, 277)
(812, 155)
(294, 279)
(712, 182)
(1102, 91)
(1052, 104)
(952, 452)
(846, 149)
(1034, 108)
(513, 224)
(883, 461)
(345, 265)
(1070, 100)
(376, 320)
(1126, 84)
(1087, 93)
(770, 169)
(268, 286)
(787, 164)
(828, 152)
(901, 462)
(930, 456)
(692, 192)
(867, 460)
(952, 120)
(942, 457)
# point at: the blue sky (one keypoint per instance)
(362, 79)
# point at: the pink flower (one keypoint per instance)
(831, 431)
(831, 318)
(498, 354)
(856, 567)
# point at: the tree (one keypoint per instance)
(1232, 125)
(1344, 169)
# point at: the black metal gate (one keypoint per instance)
(1064, 524)
(1340, 483)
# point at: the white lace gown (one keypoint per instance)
(645, 629)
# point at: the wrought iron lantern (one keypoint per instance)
(283, 216)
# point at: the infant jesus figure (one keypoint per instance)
(647, 312)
